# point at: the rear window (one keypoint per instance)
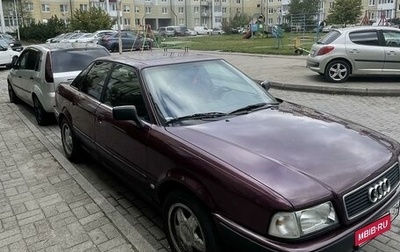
(75, 60)
(330, 37)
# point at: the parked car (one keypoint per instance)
(12, 42)
(189, 32)
(368, 50)
(74, 37)
(201, 30)
(230, 165)
(36, 73)
(7, 55)
(166, 31)
(216, 31)
(130, 41)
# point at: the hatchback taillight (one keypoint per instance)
(325, 50)
(48, 72)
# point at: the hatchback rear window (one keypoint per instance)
(76, 59)
(330, 37)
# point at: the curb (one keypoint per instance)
(336, 90)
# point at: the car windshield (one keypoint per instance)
(205, 88)
(76, 59)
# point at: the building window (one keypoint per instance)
(137, 21)
(218, 20)
(197, 21)
(137, 9)
(126, 8)
(224, 1)
(223, 9)
(83, 7)
(45, 8)
(196, 9)
(148, 10)
(238, 1)
(181, 21)
(238, 10)
(29, 7)
(164, 1)
(180, 10)
(63, 8)
(164, 10)
(180, 0)
(127, 21)
(270, 10)
(371, 3)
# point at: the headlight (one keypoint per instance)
(11, 44)
(297, 224)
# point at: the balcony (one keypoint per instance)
(205, 14)
(205, 3)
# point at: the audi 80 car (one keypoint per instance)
(232, 167)
(365, 50)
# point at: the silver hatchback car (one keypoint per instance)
(36, 73)
(362, 50)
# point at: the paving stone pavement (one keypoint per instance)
(49, 204)
(45, 203)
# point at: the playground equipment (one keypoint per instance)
(256, 25)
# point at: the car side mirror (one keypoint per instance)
(127, 113)
(266, 85)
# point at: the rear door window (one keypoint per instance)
(76, 59)
(365, 38)
(329, 38)
(93, 83)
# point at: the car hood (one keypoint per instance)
(298, 152)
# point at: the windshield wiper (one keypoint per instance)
(198, 116)
(253, 107)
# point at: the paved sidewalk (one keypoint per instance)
(45, 203)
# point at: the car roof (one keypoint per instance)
(363, 28)
(143, 60)
(64, 46)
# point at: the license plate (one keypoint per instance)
(372, 230)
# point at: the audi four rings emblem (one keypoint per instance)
(379, 190)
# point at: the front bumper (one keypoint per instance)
(341, 239)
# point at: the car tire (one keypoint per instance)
(70, 144)
(114, 48)
(337, 71)
(11, 94)
(188, 224)
(42, 117)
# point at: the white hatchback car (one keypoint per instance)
(36, 73)
(7, 54)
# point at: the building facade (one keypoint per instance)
(189, 13)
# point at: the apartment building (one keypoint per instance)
(189, 13)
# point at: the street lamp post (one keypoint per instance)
(16, 19)
(119, 26)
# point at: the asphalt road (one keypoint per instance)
(379, 113)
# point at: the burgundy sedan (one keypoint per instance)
(232, 167)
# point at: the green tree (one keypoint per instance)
(239, 20)
(345, 12)
(304, 13)
(303, 7)
(92, 20)
(39, 32)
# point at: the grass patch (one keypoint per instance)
(236, 43)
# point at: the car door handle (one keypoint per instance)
(31, 78)
(391, 53)
(355, 51)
